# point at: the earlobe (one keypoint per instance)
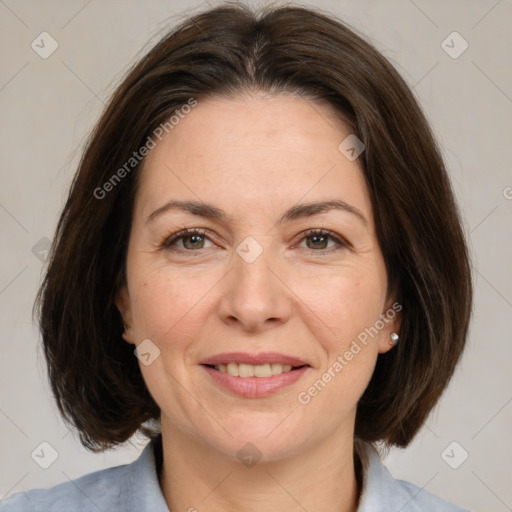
(127, 334)
(122, 302)
(388, 342)
(390, 335)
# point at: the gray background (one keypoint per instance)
(48, 107)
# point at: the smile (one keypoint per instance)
(251, 370)
(253, 386)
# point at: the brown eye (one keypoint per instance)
(318, 240)
(196, 241)
(187, 240)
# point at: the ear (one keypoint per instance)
(123, 304)
(391, 317)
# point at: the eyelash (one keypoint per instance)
(168, 241)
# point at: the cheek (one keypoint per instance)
(166, 301)
(344, 307)
(169, 309)
(344, 301)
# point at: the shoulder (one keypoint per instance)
(131, 487)
(99, 490)
(418, 499)
(381, 492)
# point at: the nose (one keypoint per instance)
(255, 297)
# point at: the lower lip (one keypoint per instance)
(255, 387)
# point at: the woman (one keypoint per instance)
(260, 266)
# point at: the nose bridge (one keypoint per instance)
(255, 294)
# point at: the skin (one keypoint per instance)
(255, 156)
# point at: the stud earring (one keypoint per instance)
(125, 327)
(394, 339)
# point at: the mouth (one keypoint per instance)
(254, 376)
(261, 371)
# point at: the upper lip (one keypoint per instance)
(254, 359)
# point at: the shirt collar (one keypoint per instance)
(380, 491)
(144, 491)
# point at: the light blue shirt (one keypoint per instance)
(134, 488)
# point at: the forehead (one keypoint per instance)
(266, 152)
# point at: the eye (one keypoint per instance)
(318, 240)
(189, 239)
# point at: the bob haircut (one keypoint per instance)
(229, 51)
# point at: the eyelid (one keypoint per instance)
(339, 240)
(168, 239)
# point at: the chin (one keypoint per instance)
(264, 441)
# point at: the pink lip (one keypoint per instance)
(255, 359)
(255, 387)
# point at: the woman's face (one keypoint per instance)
(250, 282)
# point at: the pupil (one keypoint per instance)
(195, 239)
(318, 240)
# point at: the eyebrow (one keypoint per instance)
(209, 211)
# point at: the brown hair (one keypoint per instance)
(226, 51)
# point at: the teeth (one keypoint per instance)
(250, 370)
(232, 369)
(262, 370)
(245, 370)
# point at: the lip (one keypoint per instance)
(254, 359)
(255, 387)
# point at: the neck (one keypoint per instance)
(198, 477)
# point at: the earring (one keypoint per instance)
(394, 339)
(125, 327)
